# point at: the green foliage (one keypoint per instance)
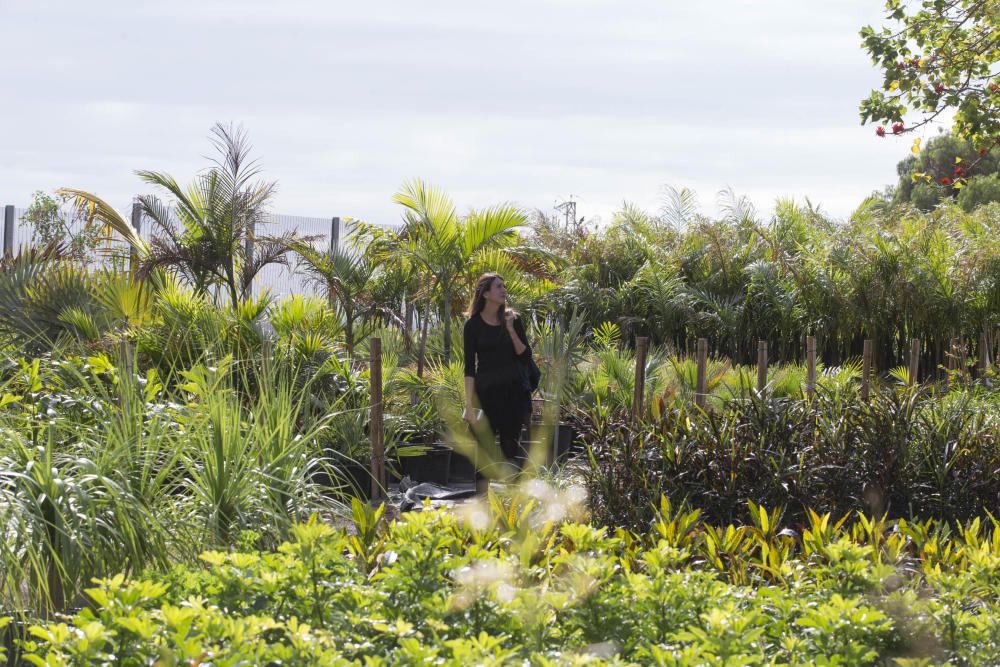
(50, 226)
(102, 470)
(496, 586)
(210, 235)
(904, 453)
(448, 251)
(938, 56)
(979, 192)
(888, 274)
(947, 167)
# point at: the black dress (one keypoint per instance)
(500, 380)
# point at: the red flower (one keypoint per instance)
(897, 128)
(959, 171)
(880, 131)
(945, 181)
(938, 88)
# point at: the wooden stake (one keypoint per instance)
(761, 365)
(810, 365)
(378, 447)
(914, 360)
(702, 388)
(639, 390)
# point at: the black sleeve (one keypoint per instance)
(519, 330)
(469, 339)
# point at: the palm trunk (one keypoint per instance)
(423, 338)
(408, 327)
(349, 336)
(983, 363)
(447, 325)
(234, 294)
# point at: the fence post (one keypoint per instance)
(248, 247)
(133, 254)
(639, 390)
(866, 369)
(761, 366)
(8, 230)
(702, 389)
(810, 366)
(914, 360)
(334, 234)
(375, 428)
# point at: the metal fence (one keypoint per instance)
(279, 280)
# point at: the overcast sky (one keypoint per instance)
(522, 101)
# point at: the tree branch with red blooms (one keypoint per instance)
(940, 55)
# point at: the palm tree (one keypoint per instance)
(446, 247)
(347, 277)
(208, 234)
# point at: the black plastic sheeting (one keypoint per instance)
(411, 494)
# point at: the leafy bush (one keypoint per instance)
(907, 452)
(514, 581)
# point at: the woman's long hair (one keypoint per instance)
(478, 302)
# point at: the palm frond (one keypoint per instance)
(94, 209)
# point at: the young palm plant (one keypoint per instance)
(209, 233)
(347, 277)
(445, 246)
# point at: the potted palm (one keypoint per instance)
(346, 463)
(420, 454)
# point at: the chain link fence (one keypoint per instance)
(277, 279)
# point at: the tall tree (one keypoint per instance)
(347, 277)
(210, 232)
(930, 176)
(936, 56)
(445, 246)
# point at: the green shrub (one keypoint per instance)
(907, 453)
(495, 585)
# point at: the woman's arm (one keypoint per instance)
(470, 396)
(517, 336)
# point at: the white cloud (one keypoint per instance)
(523, 100)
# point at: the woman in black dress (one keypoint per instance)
(496, 351)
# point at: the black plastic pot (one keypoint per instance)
(358, 478)
(15, 631)
(346, 476)
(564, 439)
(431, 466)
(461, 468)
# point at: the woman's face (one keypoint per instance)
(497, 293)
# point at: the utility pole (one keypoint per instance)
(568, 209)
